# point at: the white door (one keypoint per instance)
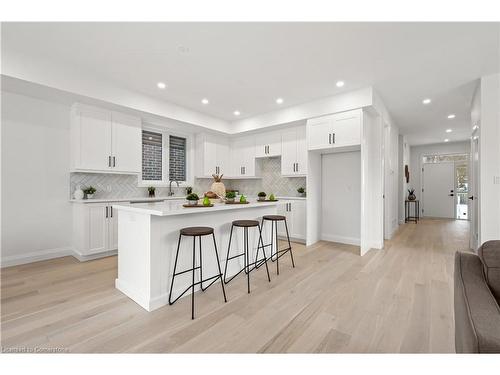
(439, 187)
(474, 192)
(98, 228)
(95, 140)
(288, 152)
(319, 136)
(126, 135)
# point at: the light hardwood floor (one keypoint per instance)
(399, 299)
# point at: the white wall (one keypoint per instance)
(36, 214)
(489, 149)
(417, 152)
(340, 193)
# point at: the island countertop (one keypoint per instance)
(171, 208)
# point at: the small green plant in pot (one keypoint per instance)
(192, 199)
(301, 191)
(261, 196)
(230, 195)
(89, 192)
(151, 191)
(411, 195)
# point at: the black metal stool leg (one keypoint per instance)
(220, 270)
(277, 247)
(192, 286)
(247, 260)
(227, 256)
(261, 241)
(170, 302)
(289, 244)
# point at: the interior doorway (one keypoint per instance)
(445, 186)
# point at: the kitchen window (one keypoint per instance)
(164, 157)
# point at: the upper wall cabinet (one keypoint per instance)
(294, 152)
(268, 144)
(335, 131)
(212, 155)
(243, 157)
(104, 141)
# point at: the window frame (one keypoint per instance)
(166, 133)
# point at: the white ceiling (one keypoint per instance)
(246, 66)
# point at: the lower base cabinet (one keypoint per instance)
(295, 213)
(95, 228)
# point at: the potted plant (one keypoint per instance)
(272, 197)
(189, 190)
(151, 191)
(411, 195)
(192, 199)
(301, 191)
(89, 192)
(262, 196)
(230, 195)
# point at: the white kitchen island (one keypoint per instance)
(147, 243)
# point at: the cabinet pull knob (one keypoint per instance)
(106, 212)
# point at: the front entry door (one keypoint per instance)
(439, 187)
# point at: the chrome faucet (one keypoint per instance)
(170, 192)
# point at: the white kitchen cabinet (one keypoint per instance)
(268, 144)
(295, 213)
(212, 155)
(126, 147)
(104, 141)
(294, 152)
(243, 157)
(95, 228)
(335, 131)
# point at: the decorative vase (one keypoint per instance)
(151, 194)
(230, 200)
(261, 198)
(412, 197)
(90, 196)
(192, 203)
(218, 186)
(78, 194)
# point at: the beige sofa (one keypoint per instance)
(477, 299)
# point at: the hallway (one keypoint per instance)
(399, 299)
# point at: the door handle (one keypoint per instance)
(451, 195)
(471, 198)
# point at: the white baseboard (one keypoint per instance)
(341, 239)
(35, 256)
(84, 258)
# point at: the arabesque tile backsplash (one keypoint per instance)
(112, 186)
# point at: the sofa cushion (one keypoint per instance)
(477, 314)
(489, 253)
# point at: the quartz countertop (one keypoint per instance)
(133, 199)
(170, 208)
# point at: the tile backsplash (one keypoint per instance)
(112, 186)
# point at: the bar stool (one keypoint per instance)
(274, 219)
(245, 224)
(196, 232)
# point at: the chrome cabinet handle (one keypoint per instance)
(297, 167)
(114, 161)
(330, 139)
(106, 212)
(109, 161)
(111, 209)
(333, 138)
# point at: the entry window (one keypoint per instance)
(177, 158)
(152, 156)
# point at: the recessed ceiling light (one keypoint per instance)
(161, 85)
(446, 140)
(279, 101)
(204, 101)
(340, 83)
(426, 101)
(237, 113)
(451, 116)
(448, 130)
